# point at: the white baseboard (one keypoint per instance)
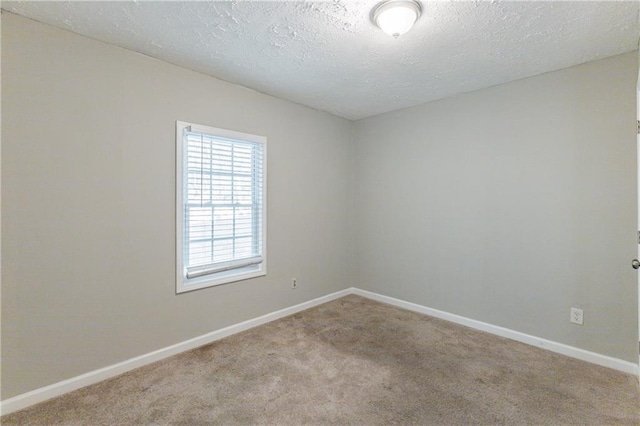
(42, 394)
(584, 355)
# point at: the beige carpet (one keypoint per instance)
(354, 361)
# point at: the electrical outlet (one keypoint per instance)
(577, 316)
(294, 283)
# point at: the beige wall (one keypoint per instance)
(88, 204)
(509, 205)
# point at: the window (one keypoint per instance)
(220, 206)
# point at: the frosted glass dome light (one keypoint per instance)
(396, 17)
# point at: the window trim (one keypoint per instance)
(224, 274)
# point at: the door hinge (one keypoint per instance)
(638, 237)
(638, 124)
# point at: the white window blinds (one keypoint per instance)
(222, 202)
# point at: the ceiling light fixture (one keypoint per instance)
(396, 17)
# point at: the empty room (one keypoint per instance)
(333, 212)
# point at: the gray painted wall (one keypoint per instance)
(509, 205)
(88, 204)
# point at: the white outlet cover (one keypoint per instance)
(577, 316)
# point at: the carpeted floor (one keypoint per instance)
(354, 361)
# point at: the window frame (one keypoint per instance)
(183, 283)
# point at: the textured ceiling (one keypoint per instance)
(329, 56)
